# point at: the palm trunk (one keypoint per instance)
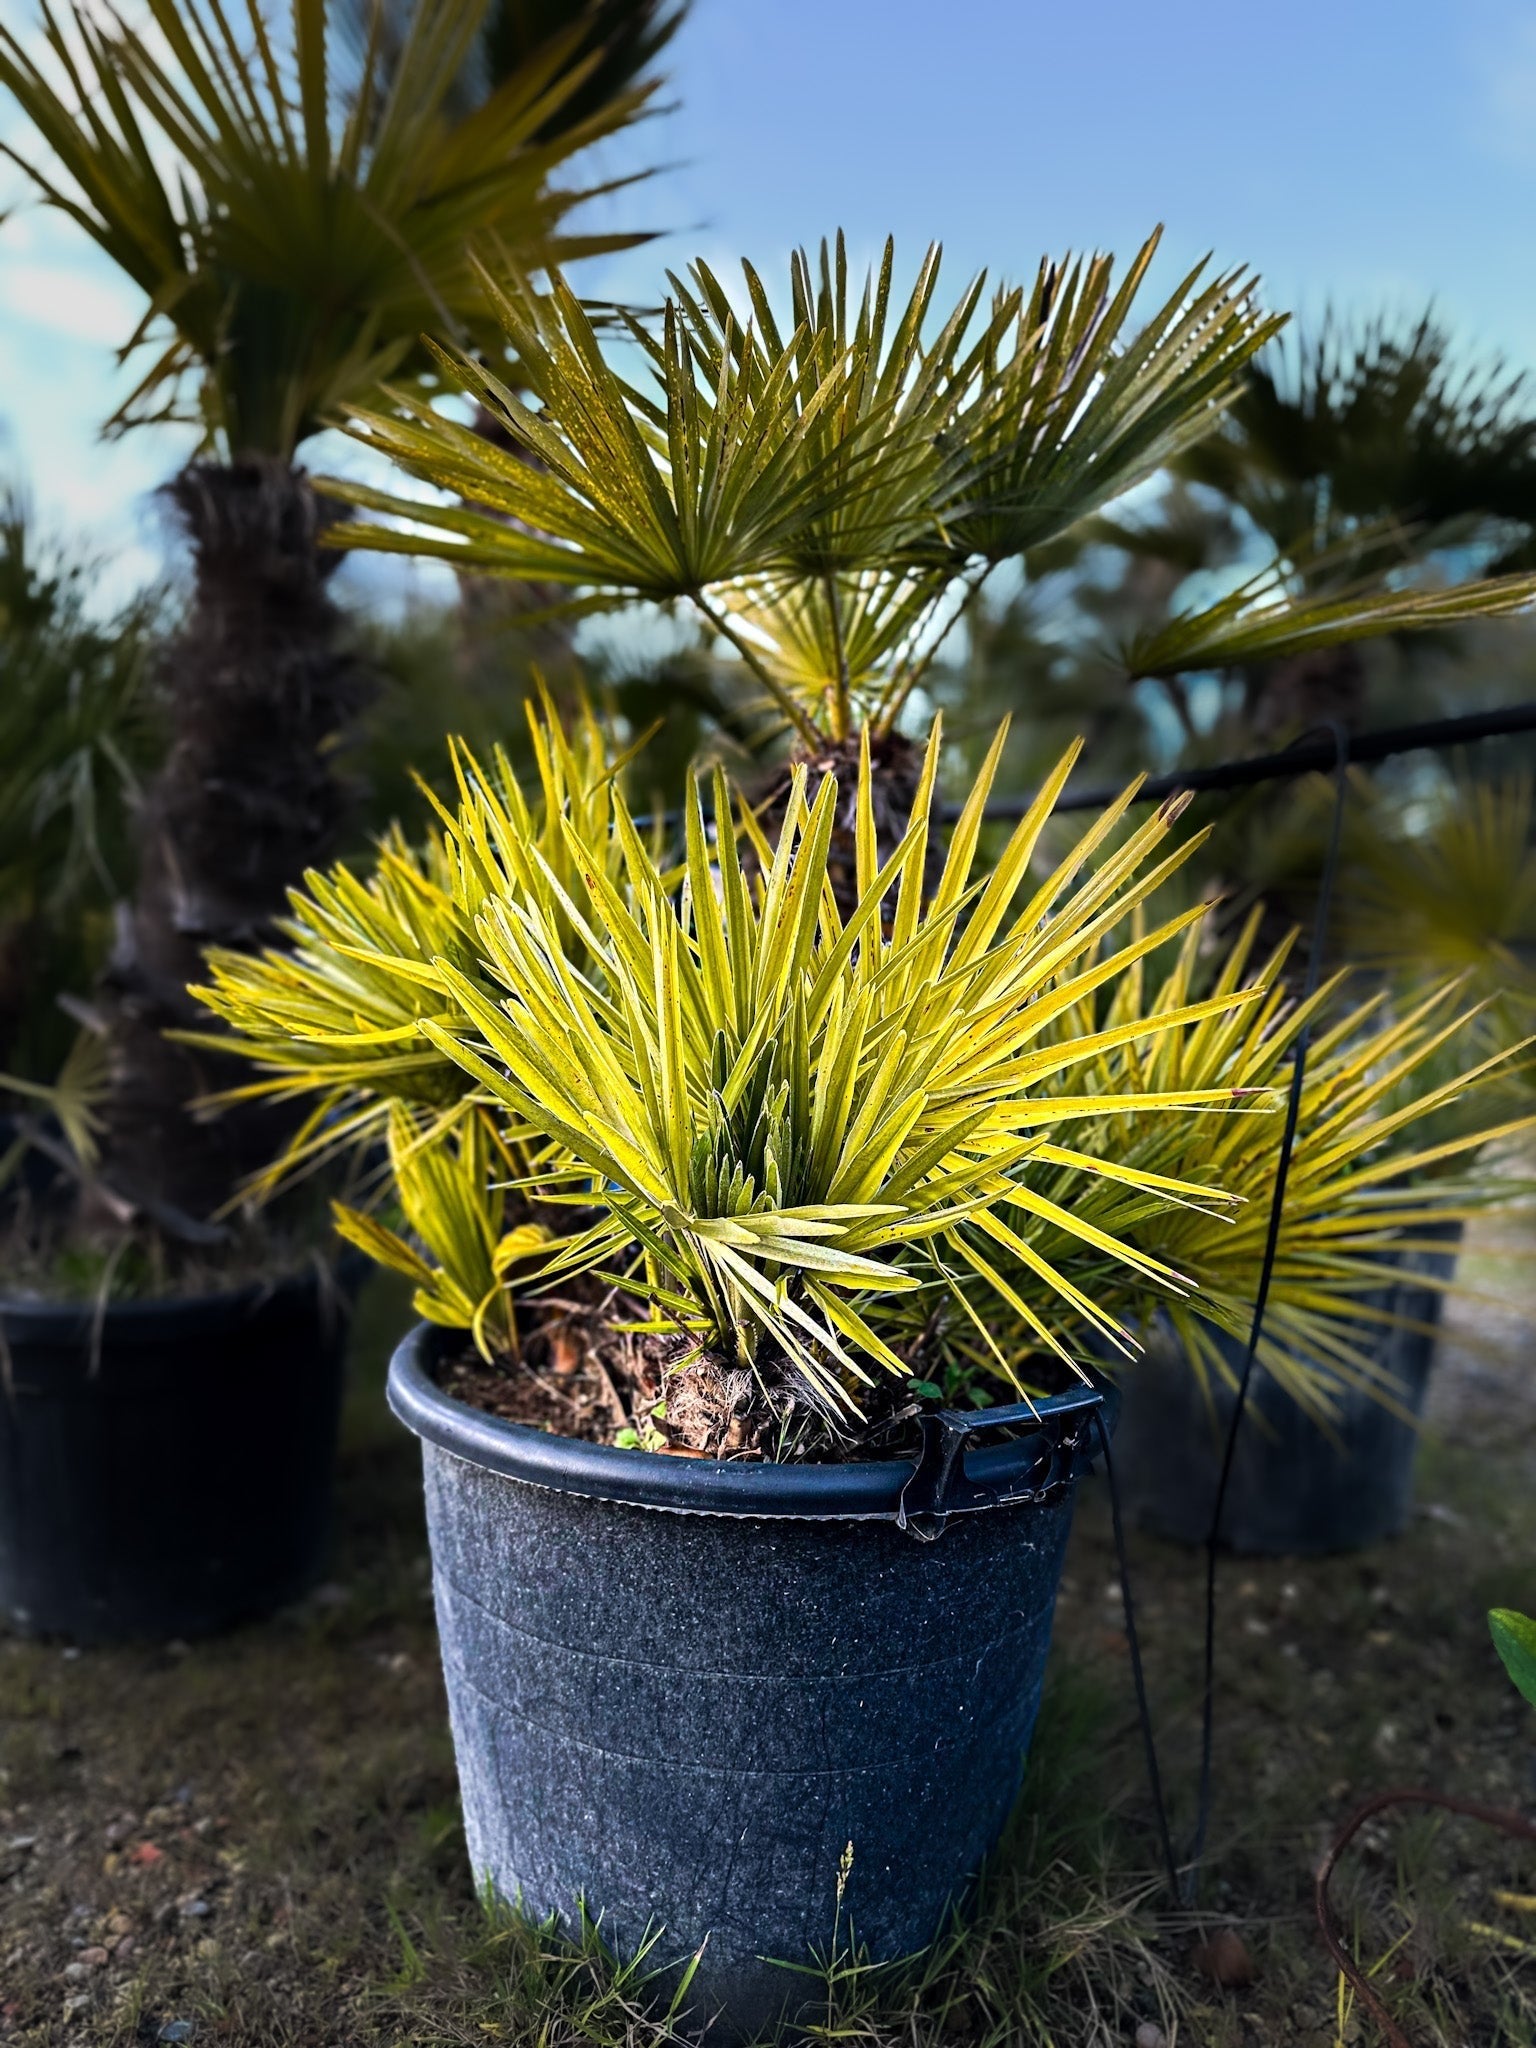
(1288, 698)
(896, 767)
(258, 685)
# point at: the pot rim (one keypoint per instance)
(860, 1490)
(28, 1319)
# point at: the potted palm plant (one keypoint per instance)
(704, 1173)
(294, 210)
(700, 1184)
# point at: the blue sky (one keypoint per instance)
(1357, 151)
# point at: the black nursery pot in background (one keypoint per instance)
(1295, 1490)
(681, 1688)
(170, 1472)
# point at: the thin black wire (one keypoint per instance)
(1301, 758)
(1138, 1677)
(1341, 752)
(1312, 751)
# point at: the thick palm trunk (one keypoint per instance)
(259, 684)
(1287, 698)
(896, 768)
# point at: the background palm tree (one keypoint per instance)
(77, 737)
(505, 628)
(1366, 450)
(296, 213)
(1361, 454)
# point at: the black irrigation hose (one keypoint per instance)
(1339, 744)
(1303, 757)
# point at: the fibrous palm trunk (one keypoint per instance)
(896, 767)
(259, 684)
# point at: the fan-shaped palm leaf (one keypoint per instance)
(291, 235)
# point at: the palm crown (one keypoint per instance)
(829, 492)
(295, 222)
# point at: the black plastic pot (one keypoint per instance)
(680, 1688)
(1296, 1490)
(170, 1473)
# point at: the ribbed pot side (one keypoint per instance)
(686, 1718)
(168, 1469)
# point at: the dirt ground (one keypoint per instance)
(256, 1840)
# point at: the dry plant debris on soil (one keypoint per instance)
(256, 1840)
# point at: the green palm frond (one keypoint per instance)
(1268, 619)
(335, 1015)
(797, 482)
(1348, 429)
(617, 43)
(74, 1099)
(293, 230)
(451, 1185)
(778, 1124)
(1372, 1173)
(1453, 893)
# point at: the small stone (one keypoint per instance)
(193, 1909)
(70, 1654)
(1437, 1511)
(1224, 1960)
(94, 1958)
(146, 1853)
(175, 2030)
(22, 1842)
(1150, 2035)
(73, 1972)
(125, 1948)
(119, 1923)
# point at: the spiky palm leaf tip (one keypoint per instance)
(785, 1132)
(334, 1013)
(1397, 1137)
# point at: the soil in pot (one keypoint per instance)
(681, 1688)
(166, 1467)
(585, 1370)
